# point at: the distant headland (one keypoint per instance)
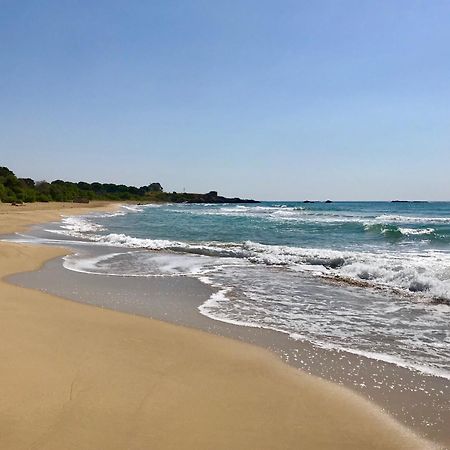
(25, 190)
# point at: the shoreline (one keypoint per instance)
(19, 218)
(417, 400)
(245, 384)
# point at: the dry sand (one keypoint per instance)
(18, 218)
(78, 377)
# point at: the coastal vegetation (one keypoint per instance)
(18, 190)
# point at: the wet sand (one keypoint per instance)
(419, 401)
(75, 376)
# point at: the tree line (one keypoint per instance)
(17, 190)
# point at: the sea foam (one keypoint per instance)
(360, 281)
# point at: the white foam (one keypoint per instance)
(416, 231)
(427, 370)
(80, 224)
(216, 308)
(86, 265)
(420, 273)
(379, 327)
(261, 285)
(214, 301)
(139, 264)
(386, 218)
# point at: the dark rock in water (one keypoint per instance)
(210, 197)
(417, 286)
(213, 197)
(328, 201)
(191, 197)
(400, 201)
(308, 201)
(440, 301)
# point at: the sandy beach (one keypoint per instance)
(18, 218)
(75, 376)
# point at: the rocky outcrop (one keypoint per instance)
(210, 197)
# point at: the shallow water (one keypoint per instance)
(370, 278)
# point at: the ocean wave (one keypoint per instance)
(240, 210)
(80, 225)
(77, 225)
(416, 231)
(138, 264)
(387, 224)
(422, 273)
(395, 231)
(132, 208)
(279, 214)
(308, 315)
(384, 218)
(426, 273)
(336, 293)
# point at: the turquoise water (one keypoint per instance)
(360, 241)
(317, 225)
(372, 278)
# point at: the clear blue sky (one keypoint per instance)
(268, 99)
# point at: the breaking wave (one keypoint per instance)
(424, 274)
(411, 219)
(315, 274)
(389, 230)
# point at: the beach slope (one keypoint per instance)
(78, 377)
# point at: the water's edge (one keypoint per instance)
(419, 401)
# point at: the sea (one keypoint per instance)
(369, 278)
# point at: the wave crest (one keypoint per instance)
(426, 274)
